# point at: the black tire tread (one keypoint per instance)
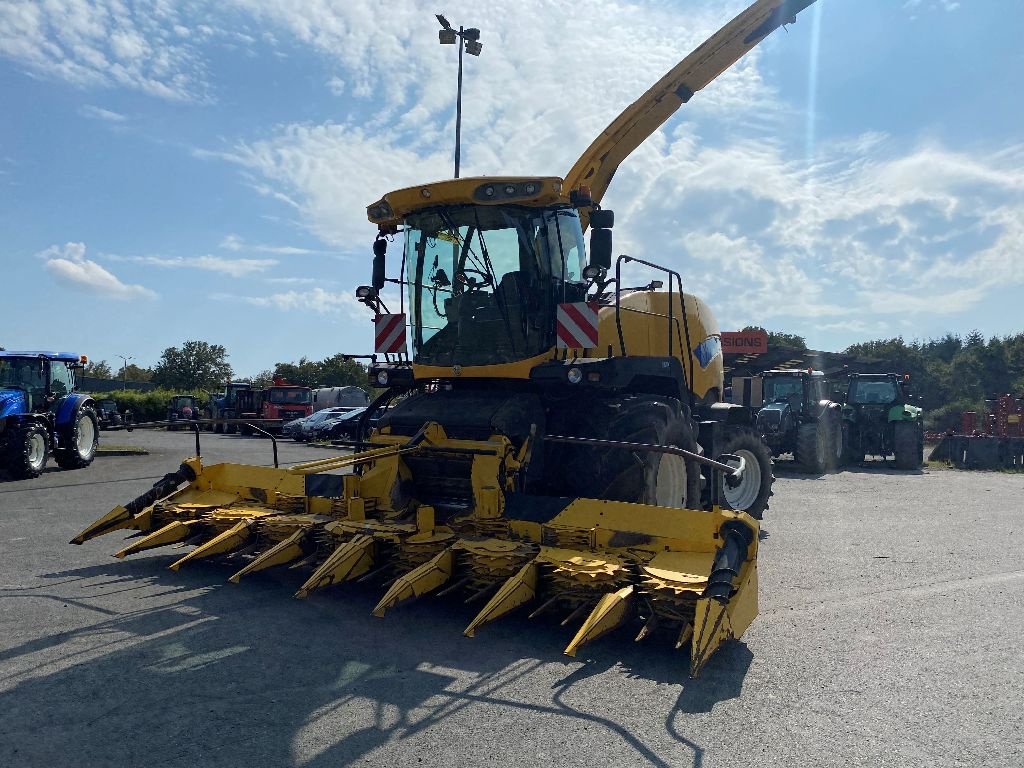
(907, 445)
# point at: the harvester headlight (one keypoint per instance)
(363, 291)
(380, 211)
(489, 191)
(510, 189)
(531, 188)
(382, 378)
(575, 375)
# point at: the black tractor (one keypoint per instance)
(879, 420)
(108, 415)
(799, 418)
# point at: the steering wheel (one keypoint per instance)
(464, 277)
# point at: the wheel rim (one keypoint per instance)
(36, 450)
(86, 436)
(670, 486)
(743, 496)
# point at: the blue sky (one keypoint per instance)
(177, 170)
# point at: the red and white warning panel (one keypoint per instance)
(389, 334)
(577, 325)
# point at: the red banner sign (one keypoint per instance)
(744, 342)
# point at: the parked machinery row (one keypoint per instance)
(798, 415)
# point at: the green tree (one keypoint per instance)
(334, 371)
(98, 370)
(780, 340)
(195, 365)
(135, 373)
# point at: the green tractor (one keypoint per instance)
(799, 418)
(878, 420)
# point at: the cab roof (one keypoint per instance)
(62, 357)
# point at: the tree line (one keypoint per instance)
(199, 365)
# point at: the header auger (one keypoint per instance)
(556, 441)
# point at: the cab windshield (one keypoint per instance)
(483, 281)
(866, 392)
(782, 388)
(291, 396)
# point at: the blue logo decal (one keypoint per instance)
(708, 350)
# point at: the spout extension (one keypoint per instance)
(737, 538)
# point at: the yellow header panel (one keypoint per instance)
(480, 190)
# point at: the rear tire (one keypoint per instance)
(813, 446)
(907, 442)
(642, 477)
(752, 495)
(81, 441)
(26, 452)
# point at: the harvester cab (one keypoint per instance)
(41, 413)
(553, 438)
(878, 420)
(799, 418)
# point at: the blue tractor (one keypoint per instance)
(42, 414)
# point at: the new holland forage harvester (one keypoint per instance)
(550, 434)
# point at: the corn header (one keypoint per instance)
(554, 440)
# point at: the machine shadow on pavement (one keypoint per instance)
(208, 673)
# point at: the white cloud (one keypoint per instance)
(98, 113)
(235, 243)
(104, 43)
(316, 300)
(68, 265)
(233, 267)
(336, 86)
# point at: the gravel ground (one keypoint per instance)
(892, 606)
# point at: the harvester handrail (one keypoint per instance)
(623, 258)
(670, 449)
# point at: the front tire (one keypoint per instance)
(642, 477)
(752, 494)
(27, 450)
(81, 441)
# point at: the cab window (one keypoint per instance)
(62, 380)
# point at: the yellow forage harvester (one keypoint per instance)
(547, 443)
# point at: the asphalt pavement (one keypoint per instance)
(892, 608)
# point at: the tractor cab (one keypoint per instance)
(801, 389)
(35, 381)
(883, 389)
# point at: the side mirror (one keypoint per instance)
(380, 248)
(602, 219)
(601, 247)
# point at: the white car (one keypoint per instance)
(307, 429)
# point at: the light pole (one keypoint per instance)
(470, 40)
(124, 370)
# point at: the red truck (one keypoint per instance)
(282, 401)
